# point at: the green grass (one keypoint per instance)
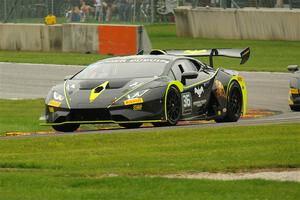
(158, 152)
(217, 149)
(21, 115)
(49, 57)
(79, 166)
(265, 55)
(43, 186)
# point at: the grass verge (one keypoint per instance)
(21, 115)
(265, 55)
(37, 186)
(157, 152)
(79, 166)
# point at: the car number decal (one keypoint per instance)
(186, 99)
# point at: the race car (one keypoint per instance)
(294, 93)
(162, 88)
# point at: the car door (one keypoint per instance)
(197, 91)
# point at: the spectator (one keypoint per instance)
(98, 10)
(123, 9)
(84, 9)
(75, 14)
(108, 10)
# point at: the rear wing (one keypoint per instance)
(243, 54)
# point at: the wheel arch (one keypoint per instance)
(178, 85)
(241, 83)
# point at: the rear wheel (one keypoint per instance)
(173, 108)
(66, 127)
(234, 104)
(131, 125)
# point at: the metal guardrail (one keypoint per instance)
(130, 11)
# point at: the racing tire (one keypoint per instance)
(131, 125)
(234, 104)
(295, 108)
(173, 105)
(66, 127)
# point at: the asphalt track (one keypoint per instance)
(266, 90)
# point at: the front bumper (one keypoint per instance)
(146, 112)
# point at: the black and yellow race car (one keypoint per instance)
(162, 88)
(294, 93)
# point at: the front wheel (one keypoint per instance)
(173, 108)
(66, 127)
(234, 104)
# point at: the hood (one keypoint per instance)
(102, 93)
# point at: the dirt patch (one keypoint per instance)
(287, 175)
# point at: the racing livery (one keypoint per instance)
(294, 93)
(162, 88)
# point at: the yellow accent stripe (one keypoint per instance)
(203, 80)
(66, 96)
(179, 86)
(242, 85)
(103, 121)
(93, 95)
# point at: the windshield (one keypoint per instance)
(123, 69)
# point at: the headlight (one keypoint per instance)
(57, 96)
(137, 94)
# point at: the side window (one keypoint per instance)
(197, 66)
(189, 66)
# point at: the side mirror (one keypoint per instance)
(189, 75)
(68, 77)
(293, 68)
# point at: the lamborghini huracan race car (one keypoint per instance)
(294, 93)
(162, 88)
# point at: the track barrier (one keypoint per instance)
(75, 37)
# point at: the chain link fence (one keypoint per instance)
(117, 11)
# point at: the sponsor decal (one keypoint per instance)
(195, 51)
(51, 109)
(137, 107)
(294, 91)
(133, 101)
(199, 103)
(137, 60)
(186, 99)
(151, 60)
(54, 103)
(220, 91)
(199, 91)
